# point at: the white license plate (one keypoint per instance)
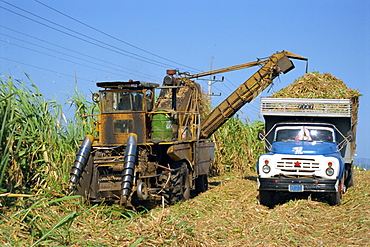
(296, 187)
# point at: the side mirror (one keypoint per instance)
(350, 136)
(261, 135)
(95, 97)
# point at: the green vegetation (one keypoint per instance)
(37, 142)
(33, 142)
(237, 147)
(38, 146)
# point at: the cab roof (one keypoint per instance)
(127, 84)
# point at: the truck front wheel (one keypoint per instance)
(266, 198)
(334, 198)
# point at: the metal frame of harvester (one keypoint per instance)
(159, 150)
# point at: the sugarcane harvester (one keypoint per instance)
(159, 150)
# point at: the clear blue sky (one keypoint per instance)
(141, 39)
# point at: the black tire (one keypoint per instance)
(266, 198)
(179, 185)
(186, 184)
(166, 195)
(201, 184)
(334, 198)
(349, 182)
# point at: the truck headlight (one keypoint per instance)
(329, 171)
(266, 169)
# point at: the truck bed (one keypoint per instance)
(306, 107)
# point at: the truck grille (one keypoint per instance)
(298, 166)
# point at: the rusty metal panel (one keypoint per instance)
(204, 157)
(118, 126)
(180, 152)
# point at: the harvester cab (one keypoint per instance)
(124, 107)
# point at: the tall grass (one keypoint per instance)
(237, 147)
(37, 143)
(82, 122)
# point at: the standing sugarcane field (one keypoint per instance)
(184, 123)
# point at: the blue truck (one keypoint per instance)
(310, 147)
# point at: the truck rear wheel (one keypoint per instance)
(349, 182)
(266, 198)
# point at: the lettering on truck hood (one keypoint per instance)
(304, 147)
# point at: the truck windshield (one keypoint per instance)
(122, 101)
(304, 133)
